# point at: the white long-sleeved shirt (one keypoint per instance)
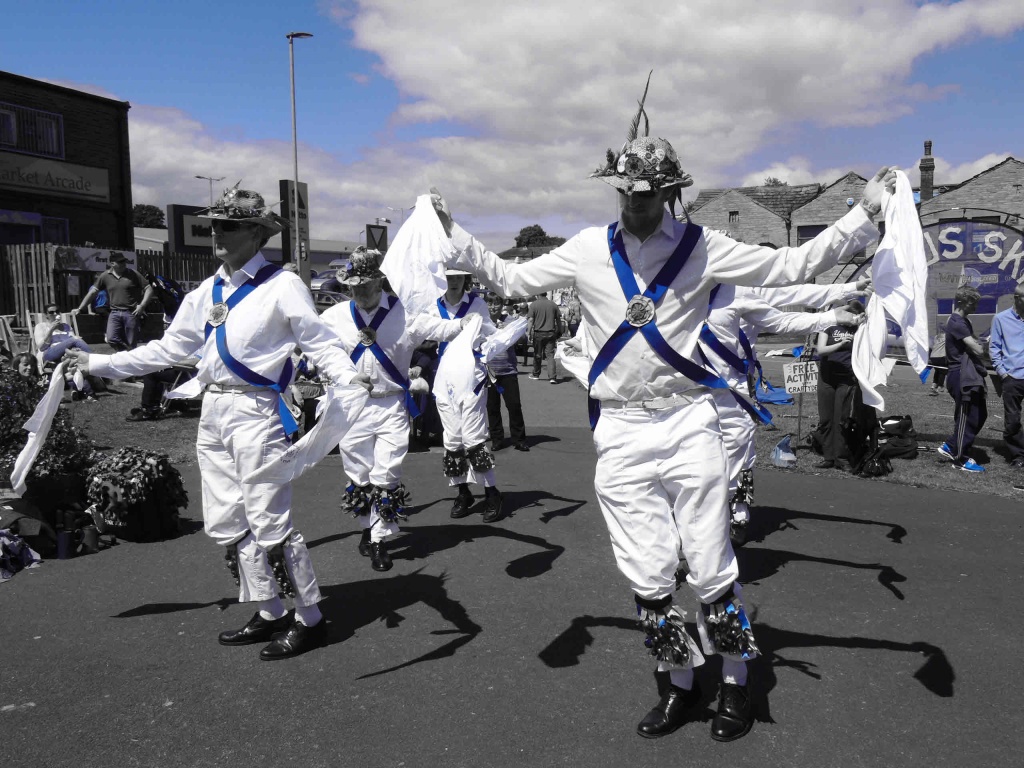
(638, 373)
(398, 335)
(262, 330)
(477, 306)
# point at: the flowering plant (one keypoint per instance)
(131, 483)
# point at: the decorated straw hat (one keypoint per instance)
(363, 266)
(244, 205)
(450, 271)
(644, 163)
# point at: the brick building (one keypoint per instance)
(65, 173)
(995, 195)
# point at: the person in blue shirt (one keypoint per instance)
(965, 381)
(1006, 346)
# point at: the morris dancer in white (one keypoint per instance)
(380, 338)
(735, 317)
(466, 456)
(245, 321)
(662, 476)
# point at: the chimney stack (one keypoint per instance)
(927, 167)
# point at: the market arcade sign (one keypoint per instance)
(52, 177)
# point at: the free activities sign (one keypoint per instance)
(53, 177)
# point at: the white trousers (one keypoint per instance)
(662, 485)
(238, 433)
(465, 426)
(373, 450)
(738, 432)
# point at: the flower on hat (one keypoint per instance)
(244, 205)
(363, 266)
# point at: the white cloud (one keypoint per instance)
(543, 89)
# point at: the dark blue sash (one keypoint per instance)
(378, 352)
(238, 368)
(461, 313)
(655, 292)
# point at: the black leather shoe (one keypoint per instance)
(298, 638)
(492, 508)
(497, 445)
(463, 504)
(670, 713)
(735, 714)
(364, 543)
(258, 630)
(381, 560)
(521, 446)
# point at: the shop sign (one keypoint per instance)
(42, 176)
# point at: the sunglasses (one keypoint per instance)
(51, 311)
(227, 226)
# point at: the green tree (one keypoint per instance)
(148, 216)
(535, 235)
(772, 181)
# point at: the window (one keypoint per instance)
(31, 131)
(55, 230)
(734, 217)
(8, 127)
(808, 232)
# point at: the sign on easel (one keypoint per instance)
(801, 377)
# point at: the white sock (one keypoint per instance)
(734, 672)
(308, 614)
(682, 678)
(272, 609)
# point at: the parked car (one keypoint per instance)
(325, 279)
(325, 299)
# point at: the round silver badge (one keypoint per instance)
(218, 314)
(640, 311)
(367, 336)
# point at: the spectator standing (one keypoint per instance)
(573, 315)
(965, 381)
(838, 392)
(543, 331)
(1006, 346)
(504, 374)
(937, 360)
(128, 296)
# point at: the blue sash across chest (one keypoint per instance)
(647, 326)
(239, 368)
(378, 352)
(459, 314)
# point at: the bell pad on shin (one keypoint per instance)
(279, 567)
(231, 560)
(454, 463)
(728, 628)
(356, 500)
(390, 504)
(480, 458)
(745, 490)
(666, 634)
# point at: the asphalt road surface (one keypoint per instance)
(886, 616)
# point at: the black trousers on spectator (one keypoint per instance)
(509, 385)
(1013, 393)
(968, 418)
(544, 349)
(938, 370)
(835, 407)
(153, 386)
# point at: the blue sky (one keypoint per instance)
(508, 107)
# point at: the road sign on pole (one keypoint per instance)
(377, 237)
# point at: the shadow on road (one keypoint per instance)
(361, 603)
(154, 609)
(765, 521)
(936, 674)
(758, 564)
(520, 500)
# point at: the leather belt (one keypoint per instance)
(235, 389)
(653, 404)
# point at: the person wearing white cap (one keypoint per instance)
(466, 456)
(380, 337)
(244, 322)
(644, 283)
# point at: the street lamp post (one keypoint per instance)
(211, 180)
(303, 266)
(397, 210)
